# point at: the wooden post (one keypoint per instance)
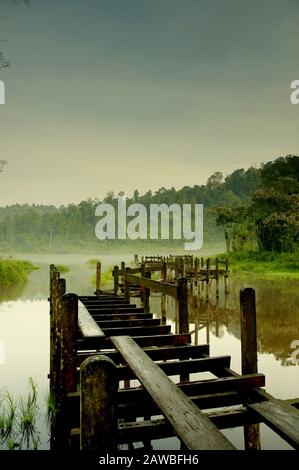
(163, 309)
(127, 286)
(164, 271)
(176, 268)
(226, 277)
(183, 306)
(136, 260)
(98, 278)
(142, 271)
(116, 279)
(69, 328)
(196, 271)
(57, 348)
(123, 270)
(98, 401)
(217, 278)
(249, 355)
(183, 316)
(208, 280)
(53, 291)
(147, 294)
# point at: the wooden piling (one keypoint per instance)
(127, 287)
(98, 278)
(61, 285)
(183, 305)
(116, 279)
(98, 392)
(53, 292)
(208, 280)
(69, 328)
(226, 277)
(217, 278)
(147, 294)
(164, 271)
(249, 355)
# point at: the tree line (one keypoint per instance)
(253, 208)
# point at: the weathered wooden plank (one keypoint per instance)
(122, 316)
(124, 323)
(158, 354)
(178, 367)
(142, 340)
(282, 417)
(192, 426)
(131, 411)
(138, 431)
(202, 387)
(115, 309)
(154, 286)
(137, 330)
(87, 326)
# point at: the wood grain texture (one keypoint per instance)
(195, 430)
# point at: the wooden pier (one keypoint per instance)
(120, 377)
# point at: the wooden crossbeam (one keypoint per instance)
(282, 417)
(195, 430)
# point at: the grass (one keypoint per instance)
(14, 271)
(106, 277)
(92, 263)
(265, 264)
(62, 268)
(18, 419)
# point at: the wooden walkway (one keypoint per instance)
(120, 377)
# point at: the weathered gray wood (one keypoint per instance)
(158, 354)
(192, 426)
(98, 390)
(154, 286)
(123, 323)
(249, 355)
(184, 366)
(138, 330)
(143, 341)
(87, 326)
(282, 417)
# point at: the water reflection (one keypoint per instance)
(277, 304)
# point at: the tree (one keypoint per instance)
(4, 63)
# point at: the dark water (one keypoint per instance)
(24, 334)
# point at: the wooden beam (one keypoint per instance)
(157, 354)
(87, 326)
(155, 286)
(142, 340)
(195, 430)
(282, 417)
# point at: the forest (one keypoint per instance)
(254, 209)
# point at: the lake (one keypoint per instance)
(24, 334)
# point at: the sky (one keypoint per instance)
(138, 94)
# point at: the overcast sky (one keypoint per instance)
(122, 94)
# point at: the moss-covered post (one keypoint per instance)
(98, 401)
